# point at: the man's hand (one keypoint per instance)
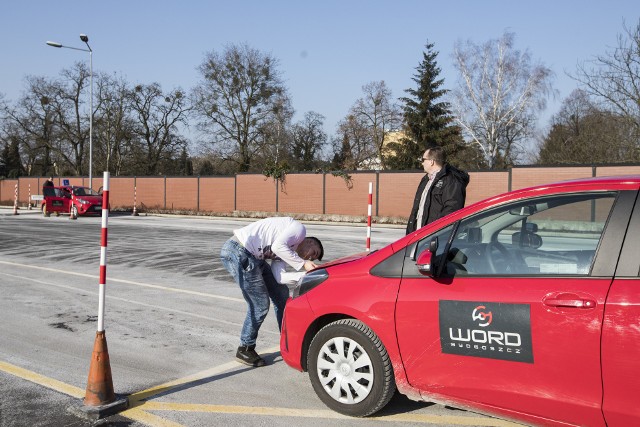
(309, 265)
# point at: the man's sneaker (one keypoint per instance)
(248, 356)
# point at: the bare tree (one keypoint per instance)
(158, 119)
(582, 133)
(307, 141)
(378, 113)
(71, 117)
(30, 122)
(499, 93)
(237, 97)
(614, 77)
(113, 124)
(352, 146)
(271, 153)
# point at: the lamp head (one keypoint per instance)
(54, 44)
(84, 38)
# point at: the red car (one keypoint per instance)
(71, 199)
(524, 306)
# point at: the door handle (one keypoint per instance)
(569, 301)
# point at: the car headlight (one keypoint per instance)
(83, 201)
(309, 281)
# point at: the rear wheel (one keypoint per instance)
(350, 369)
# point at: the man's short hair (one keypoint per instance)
(437, 154)
(319, 244)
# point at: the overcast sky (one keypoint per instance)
(328, 49)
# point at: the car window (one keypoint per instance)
(546, 236)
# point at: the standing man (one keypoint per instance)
(283, 241)
(47, 183)
(441, 191)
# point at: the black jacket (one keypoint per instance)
(447, 194)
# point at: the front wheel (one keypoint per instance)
(74, 211)
(350, 369)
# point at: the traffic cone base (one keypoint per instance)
(100, 384)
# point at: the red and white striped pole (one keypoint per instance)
(135, 212)
(100, 397)
(29, 202)
(369, 217)
(103, 250)
(15, 202)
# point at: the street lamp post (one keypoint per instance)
(85, 39)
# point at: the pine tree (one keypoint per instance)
(427, 119)
(11, 160)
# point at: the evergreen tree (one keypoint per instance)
(11, 160)
(427, 118)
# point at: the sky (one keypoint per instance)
(327, 49)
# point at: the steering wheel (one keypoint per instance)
(500, 263)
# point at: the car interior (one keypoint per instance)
(548, 237)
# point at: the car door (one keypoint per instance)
(621, 335)
(56, 199)
(513, 322)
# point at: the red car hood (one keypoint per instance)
(345, 259)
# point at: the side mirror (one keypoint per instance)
(424, 263)
(425, 258)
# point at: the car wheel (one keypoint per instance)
(350, 369)
(74, 211)
(44, 210)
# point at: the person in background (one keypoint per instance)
(47, 187)
(283, 241)
(441, 191)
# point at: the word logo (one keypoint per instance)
(482, 316)
(485, 329)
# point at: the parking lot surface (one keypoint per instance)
(172, 321)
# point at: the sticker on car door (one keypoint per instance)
(486, 329)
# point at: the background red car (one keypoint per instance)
(71, 199)
(525, 306)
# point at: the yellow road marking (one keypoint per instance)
(328, 414)
(41, 379)
(148, 419)
(138, 398)
(128, 282)
(139, 407)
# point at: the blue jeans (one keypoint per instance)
(257, 285)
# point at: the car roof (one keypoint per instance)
(604, 183)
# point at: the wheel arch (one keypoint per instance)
(313, 329)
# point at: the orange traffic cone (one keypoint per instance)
(100, 384)
(100, 401)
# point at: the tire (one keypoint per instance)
(74, 211)
(44, 210)
(350, 369)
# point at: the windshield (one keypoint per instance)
(84, 191)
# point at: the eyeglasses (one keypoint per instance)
(422, 159)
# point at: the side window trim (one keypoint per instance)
(607, 254)
(629, 264)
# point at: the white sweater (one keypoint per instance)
(275, 239)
